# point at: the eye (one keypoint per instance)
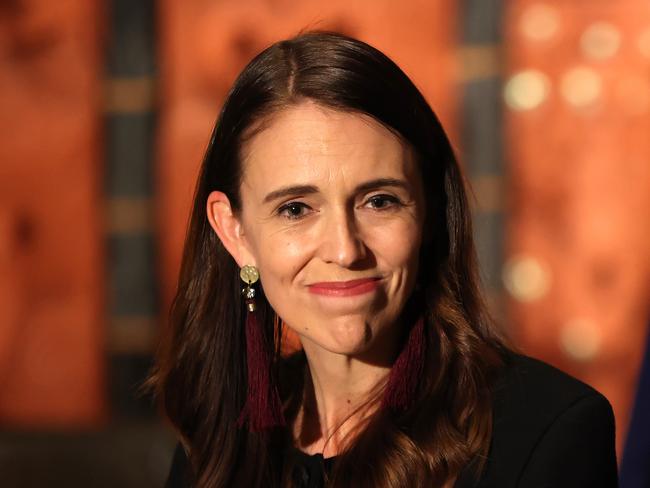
(382, 202)
(293, 210)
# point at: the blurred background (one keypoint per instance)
(106, 107)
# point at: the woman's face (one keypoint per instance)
(332, 216)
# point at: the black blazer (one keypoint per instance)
(550, 431)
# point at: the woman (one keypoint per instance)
(328, 329)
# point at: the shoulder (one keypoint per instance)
(549, 429)
(530, 386)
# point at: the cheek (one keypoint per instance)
(397, 244)
(280, 260)
(280, 256)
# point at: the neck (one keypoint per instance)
(341, 392)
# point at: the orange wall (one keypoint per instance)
(51, 277)
(577, 127)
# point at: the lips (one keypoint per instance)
(344, 288)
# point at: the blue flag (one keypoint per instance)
(635, 467)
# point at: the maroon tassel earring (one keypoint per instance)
(405, 373)
(263, 409)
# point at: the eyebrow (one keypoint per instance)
(301, 190)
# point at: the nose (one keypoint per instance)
(341, 241)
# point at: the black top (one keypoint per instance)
(550, 431)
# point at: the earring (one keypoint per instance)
(263, 409)
(249, 275)
(406, 371)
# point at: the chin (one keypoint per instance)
(350, 338)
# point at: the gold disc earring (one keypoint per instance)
(249, 275)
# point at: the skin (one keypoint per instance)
(356, 210)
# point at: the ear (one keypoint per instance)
(228, 228)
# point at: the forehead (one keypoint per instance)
(309, 142)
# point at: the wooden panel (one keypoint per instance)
(204, 45)
(578, 94)
(51, 334)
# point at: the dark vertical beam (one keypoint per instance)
(130, 119)
(481, 133)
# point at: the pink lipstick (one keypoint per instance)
(344, 288)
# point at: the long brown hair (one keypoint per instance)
(200, 374)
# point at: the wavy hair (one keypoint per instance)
(200, 373)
